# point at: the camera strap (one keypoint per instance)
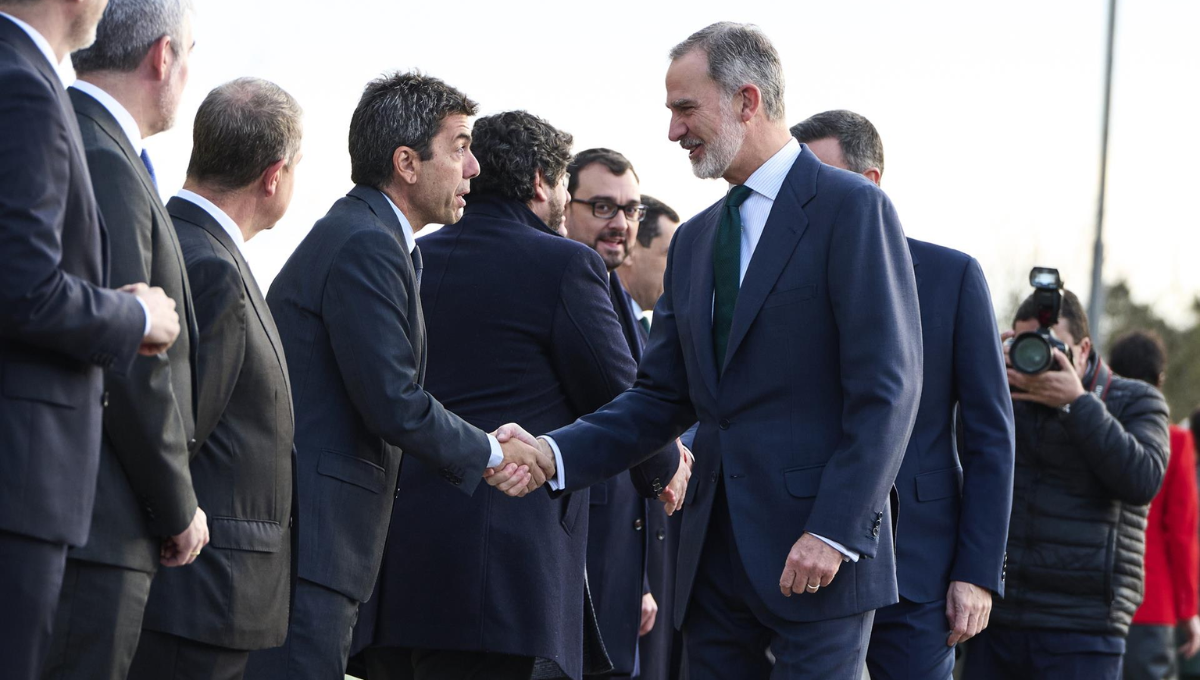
(1101, 380)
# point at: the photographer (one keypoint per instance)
(1091, 454)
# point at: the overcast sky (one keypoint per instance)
(990, 111)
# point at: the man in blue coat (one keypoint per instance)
(955, 496)
(521, 327)
(789, 328)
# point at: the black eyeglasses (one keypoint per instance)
(606, 210)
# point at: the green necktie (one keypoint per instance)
(727, 266)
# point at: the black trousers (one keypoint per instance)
(162, 656)
(318, 639)
(98, 623)
(31, 573)
(1000, 653)
(1150, 653)
(908, 642)
(391, 663)
(729, 630)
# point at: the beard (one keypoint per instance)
(556, 211)
(720, 152)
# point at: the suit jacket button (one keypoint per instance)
(724, 424)
(875, 532)
(104, 399)
(637, 524)
(713, 476)
(661, 535)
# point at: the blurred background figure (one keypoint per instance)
(1169, 607)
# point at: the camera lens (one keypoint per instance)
(1030, 353)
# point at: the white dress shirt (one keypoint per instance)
(765, 183)
(223, 219)
(410, 241)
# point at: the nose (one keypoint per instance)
(471, 166)
(677, 130)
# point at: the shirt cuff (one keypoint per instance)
(497, 456)
(558, 483)
(848, 555)
(146, 313)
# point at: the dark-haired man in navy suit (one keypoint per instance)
(955, 496)
(789, 328)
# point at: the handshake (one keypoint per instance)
(529, 463)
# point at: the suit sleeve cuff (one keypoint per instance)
(559, 482)
(848, 555)
(146, 315)
(497, 456)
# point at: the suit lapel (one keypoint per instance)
(700, 302)
(196, 215)
(785, 226)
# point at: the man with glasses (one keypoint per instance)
(604, 214)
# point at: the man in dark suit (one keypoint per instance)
(604, 214)
(789, 328)
(955, 497)
(660, 650)
(555, 354)
(58, 326)
(130, 82)
(239, 183)
(349, 314)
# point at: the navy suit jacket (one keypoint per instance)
(809, 421)
(955, 501)
(58, 326)
(349, 316)
(522, 330)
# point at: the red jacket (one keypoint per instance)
(1172, 542)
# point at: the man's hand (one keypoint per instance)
(649, 614)
(1055, 389)
(185, 547)
(968, 608)
(528, 462)
(811, 565)
(672, 496)
(164, 321)
(1191, 629)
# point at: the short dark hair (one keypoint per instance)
(241, 128)
(616, 163)
(1072, 311)
(650, 228)
(511, 147)
(1140, 355)
(399, 109)
(861, 144)
(127, 31)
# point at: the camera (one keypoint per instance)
(1033, 351)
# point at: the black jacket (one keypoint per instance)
(1083, 483)
(236, 592)
(58, 325)
(144, 490)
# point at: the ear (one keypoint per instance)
(750, 104)
(541, 188)
(271, 177)
(1085, 350)
(159, 58)
(874, 175)
(406, 164)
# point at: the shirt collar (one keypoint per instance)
(637, 309)
(42, 44)
(410, 240)
(124, 118)
(219, 215)
(769, 176)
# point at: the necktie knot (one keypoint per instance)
(738, 195)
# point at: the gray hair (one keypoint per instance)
(738, 55)
(399, 109)
(861, 144)
(241, 129)
(127, 31)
